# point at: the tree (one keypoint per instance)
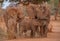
(38, 1)
(43, 0)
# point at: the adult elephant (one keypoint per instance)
(27, 11)
(11, 22)
(44, 18)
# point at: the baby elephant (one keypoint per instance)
(29, 24)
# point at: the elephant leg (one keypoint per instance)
(33, 31)
(38, 31)
(41, 31)
(21, 31)
(45, 30)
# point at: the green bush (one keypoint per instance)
(43, 0)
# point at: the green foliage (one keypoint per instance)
(56, 3)
(43, 0)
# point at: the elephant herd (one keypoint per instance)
(27, 20)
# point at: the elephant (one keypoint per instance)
(11, 22)
(27, 11)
